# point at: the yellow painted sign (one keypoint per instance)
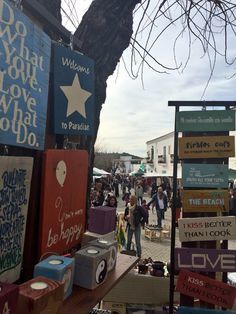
(205, 200)
(206, 147)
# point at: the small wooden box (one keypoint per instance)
(58, 268)
(40, 295)
(91, 267)
(102, 219)
(8, 297)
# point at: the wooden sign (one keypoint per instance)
(212, 260)
(206, 289)
(206, 147)
(205, 200)
(24, 79)
(73, 92)
(207, 228)
(15, 181)
(63, 205)
(200, 310)
(207, 120)
(205, 175)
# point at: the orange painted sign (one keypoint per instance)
(206, 289)
(64, 188)
(205, 200)
(206, 147)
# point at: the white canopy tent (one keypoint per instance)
(99, 172)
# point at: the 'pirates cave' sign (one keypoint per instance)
(207, 228)
(206, 147)
(206, 289)
(209, 120)
(205, 175)
(205, 200)
(205, 259)
(63, 206)
(73, 92)
(24, 75)
(15, 181)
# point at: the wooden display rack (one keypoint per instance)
(157, 234)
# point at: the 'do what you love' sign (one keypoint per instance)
(24, 76)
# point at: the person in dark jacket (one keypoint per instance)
(160, 201)
(136, 217)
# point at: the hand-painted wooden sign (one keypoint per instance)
(206, 147)
(24, 76)
(209, 120)
(15, 181)
(207, 228)
(205, 175)
(205, 200)
(206, 289)
(73, 92)
(63, 206)
(200, 310)
(205, 259)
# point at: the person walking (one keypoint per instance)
(139, 193)
(160, 200)
(136, 217)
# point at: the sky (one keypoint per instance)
(134, 114)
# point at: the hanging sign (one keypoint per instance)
(206, 147)
(205, 200)
(212, 260)
(204, 176)
(207, 120)
(200, 310)
(62, 220)
(206, 289)
(207, 228)
(24, 76)
(73, 87)
(15, 181)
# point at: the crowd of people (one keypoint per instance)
(135, 216)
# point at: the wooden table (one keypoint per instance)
(83, 300)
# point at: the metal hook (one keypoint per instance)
(71, 41)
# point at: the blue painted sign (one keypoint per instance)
(205, 175)
(24, 75)
(73, 92)
(200, 310)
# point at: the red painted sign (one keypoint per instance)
(206, 289)
(63, 204)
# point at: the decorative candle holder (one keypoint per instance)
(8, 297)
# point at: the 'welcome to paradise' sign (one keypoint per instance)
(206, 289)
(73, 92)
(205, 259)
(63, 213)
(206, 147)
(210, 120)
(205, 200)
(15, 181)
(205, 175)
(207, 228)
(24, 75)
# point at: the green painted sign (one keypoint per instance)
(205, 175)
(210, 120)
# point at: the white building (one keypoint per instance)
(160, 155)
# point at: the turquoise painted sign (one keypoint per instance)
(73, 92)
(24, 76)
(210, 120)
(200, 310)
(205, 175)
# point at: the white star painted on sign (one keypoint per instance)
(76, 97)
